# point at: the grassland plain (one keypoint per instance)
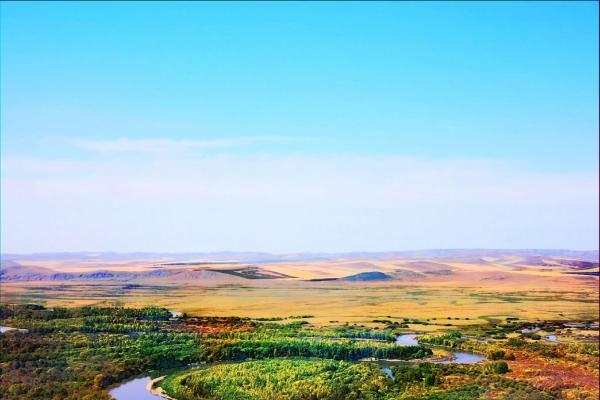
(483, 287)
(300, 329)
(345, 303)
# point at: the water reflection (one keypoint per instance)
(388, 371)
(551, 338)
(463, 358)
(134, 390)
(408, 340)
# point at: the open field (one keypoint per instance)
(475, 287)
(347, 303)
(461, 326)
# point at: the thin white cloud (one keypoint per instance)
(168, 146)
(296, 203)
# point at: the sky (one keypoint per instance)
(289, 127)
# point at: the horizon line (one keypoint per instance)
(299, 252)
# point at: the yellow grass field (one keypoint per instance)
(495, 287)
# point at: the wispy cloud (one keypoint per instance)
(168, 146)
(333, 203)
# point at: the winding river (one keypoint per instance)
(138, 389)
(413, 340)
(457, 357)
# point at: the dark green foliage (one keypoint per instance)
(76, 353)
(425, 373)
(468, 392)
(496, 367)
(531, 335)
(496, 355)
(452, 339)
(235, 349)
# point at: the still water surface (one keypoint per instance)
(134, 390)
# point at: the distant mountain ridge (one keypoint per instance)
(18, 272)
(231, 267)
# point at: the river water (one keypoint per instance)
(413, 340)
(407, 340)
(457, 358)
(134, 390)
(8, 328)
(551, 338)
(462, 358)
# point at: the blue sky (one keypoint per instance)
(494, 105)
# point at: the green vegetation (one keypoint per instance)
(281, 379)
(339, 380)
(427, 374)
(452, 339)
(232, 349)
(80, 353)
(77, 353)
